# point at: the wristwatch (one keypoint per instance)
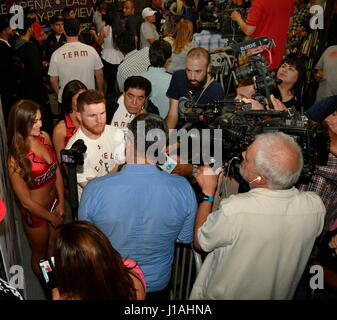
(205, 197)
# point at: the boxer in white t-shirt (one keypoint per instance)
(105, 143)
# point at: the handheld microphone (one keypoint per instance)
(256, 179)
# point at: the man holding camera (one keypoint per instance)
(105, 143)
(270, 18)
(141, 209)
(193, 84)
(260, 241)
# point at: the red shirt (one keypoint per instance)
(37, 30)
(271, 19)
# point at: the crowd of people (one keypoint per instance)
(139, 69)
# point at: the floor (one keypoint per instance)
(33, 289)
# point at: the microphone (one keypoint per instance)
(256, 179)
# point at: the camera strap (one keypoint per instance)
(206, 86)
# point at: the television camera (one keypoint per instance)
(223, 63)
(240, 125)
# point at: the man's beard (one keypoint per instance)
(94, 129)
(199, 85)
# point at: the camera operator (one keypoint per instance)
(245, 89)
(260, 240)
(105, 143)
(290, 78)
(194, 84)
(269, 18)
(245, 92)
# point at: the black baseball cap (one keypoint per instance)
(72, 27)
(57, 18)
(322, 109)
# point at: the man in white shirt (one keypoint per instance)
(75, 61)
(259, 242)
(105, 143)
(131, 103)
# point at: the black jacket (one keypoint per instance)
(52, 45)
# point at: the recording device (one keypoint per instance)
(47, 267)
(239, 128)
(168, 165)
(223, 64)
(74, 155)
(72, 158)
(221, 22)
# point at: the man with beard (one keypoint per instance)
(105, 143)
(260, 240)
(193, 84)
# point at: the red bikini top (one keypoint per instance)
(42, 173)
(70, 128)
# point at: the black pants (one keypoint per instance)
(110, 74)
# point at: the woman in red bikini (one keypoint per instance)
(67, 127)
(87, 267)
(36, 179)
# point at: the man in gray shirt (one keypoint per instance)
(148, 32)
(326, 74)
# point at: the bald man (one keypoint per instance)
(260, 241)
(133, 21)
(194, 84)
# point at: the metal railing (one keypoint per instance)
(186, 266)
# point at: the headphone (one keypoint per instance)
(259, 178)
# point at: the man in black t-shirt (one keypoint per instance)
(193, 84)
(56, 38)
(156, 6)
(133, 22)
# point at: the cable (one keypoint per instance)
(227, 174)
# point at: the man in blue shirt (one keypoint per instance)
(141, 209)
(159, 53)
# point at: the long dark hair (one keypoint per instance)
(70, 89)
(113, 20)
(298, 64)
(88, 267)
(20, 122)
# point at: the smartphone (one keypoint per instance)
(168, 165)
(47, 268)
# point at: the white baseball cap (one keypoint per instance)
(148, 12)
